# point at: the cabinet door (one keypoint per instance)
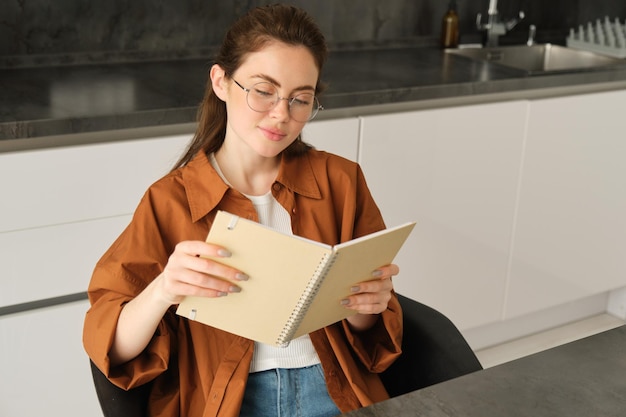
(53, 261)
(45, 371)
(340, 136)
(570, 238)
(62, 185)
(454, 171)
(63, 207)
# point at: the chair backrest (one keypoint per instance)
(116, 402)
(434, 350)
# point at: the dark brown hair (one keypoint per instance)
(250, 33)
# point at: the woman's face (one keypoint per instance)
(292, 71)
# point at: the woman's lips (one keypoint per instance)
(273, 134)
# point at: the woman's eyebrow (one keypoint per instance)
(277, 84)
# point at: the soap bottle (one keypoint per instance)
(450, 27)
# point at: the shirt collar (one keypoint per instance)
(203, 185)
(296, 173)
(205, 189)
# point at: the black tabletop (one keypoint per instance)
(585, 378)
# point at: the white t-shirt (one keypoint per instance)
(300, 352)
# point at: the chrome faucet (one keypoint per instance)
(532, 32)
(495, 27)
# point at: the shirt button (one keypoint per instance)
(276, 187)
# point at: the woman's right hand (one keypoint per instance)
(189, 271)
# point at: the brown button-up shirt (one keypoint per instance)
(198, 370)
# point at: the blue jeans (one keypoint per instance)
(299, 392)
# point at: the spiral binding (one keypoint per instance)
(305, 300)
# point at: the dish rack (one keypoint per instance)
(604, 37)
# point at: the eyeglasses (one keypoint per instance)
(263, 97)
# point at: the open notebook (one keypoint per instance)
(296, 285)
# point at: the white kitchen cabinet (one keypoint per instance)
(77, 183)
(45, 371)
(570, 236)
(53, 261)
(62, 208)
(340, 136)
(455, 171)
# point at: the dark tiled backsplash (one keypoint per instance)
(39, 32)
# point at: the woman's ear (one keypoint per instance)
(218, 82)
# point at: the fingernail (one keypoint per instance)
(234, 289)
(222, 294)
(377, 273)
(224, 253)
(345, 302)
(356, 288)
(241, 276)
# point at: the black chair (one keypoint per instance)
(433, 351)
(116, 402)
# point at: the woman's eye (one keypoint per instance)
(263, 93)
(301, 101)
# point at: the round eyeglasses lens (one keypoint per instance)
(303, 107)
(263, 97)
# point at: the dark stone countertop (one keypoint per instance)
(583, 378)
(43, 102)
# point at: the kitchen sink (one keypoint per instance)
(541, 58)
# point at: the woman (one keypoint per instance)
(247, 158)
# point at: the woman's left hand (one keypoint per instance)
(370, 298)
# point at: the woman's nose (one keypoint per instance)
(281, 109)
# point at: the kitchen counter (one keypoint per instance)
(48, 103)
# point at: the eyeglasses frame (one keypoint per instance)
(289, 100)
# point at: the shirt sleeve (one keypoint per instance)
(378, 347)
(137, 257)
